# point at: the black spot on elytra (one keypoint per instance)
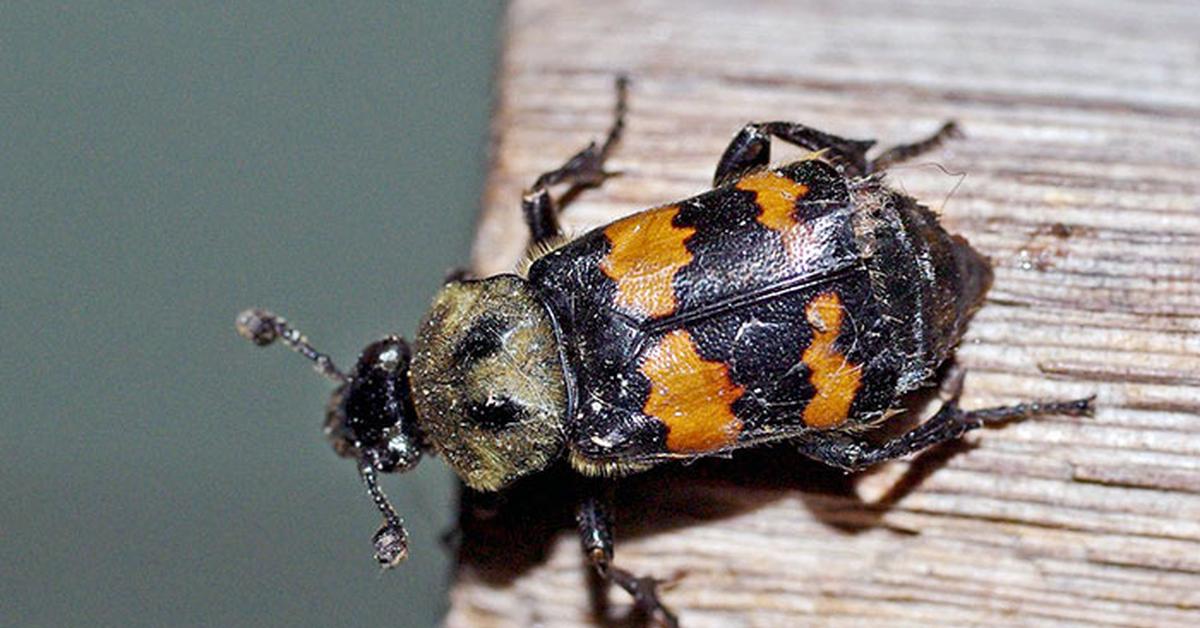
(495, 414)
(480, 341)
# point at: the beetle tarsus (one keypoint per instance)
(583, 170)
(949, 423)
(644, 590)
(595, 534)
(904, 152)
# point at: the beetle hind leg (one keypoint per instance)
(595, 535)
(948, 424)
(583, 170)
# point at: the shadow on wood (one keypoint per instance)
(503, 535)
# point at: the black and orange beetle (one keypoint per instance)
(799, 303)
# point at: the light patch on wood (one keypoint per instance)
(647, 251)
(694, 397)
(835, 379)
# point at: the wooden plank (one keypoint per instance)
(1081, 161)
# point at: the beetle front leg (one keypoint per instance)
(948, 424)
(585, 169)
(595, 535)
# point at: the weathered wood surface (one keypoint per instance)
(1083, 184)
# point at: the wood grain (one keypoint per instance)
(1082, 164)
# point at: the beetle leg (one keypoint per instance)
(751, 149)
(595, 535)
(584, 170)
(904, 152)
(949, 423)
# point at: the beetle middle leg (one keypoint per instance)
(595, 535)
(584, 169)
(949, 423)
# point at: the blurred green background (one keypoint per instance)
(163, 165)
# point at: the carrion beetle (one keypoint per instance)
(797, 303)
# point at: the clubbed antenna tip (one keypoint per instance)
(258, 326)
(263, 327)
(391, 541)
(391, 546)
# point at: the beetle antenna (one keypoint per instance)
(391, 541)
(263, 327)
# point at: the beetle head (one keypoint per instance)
(370, 415)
